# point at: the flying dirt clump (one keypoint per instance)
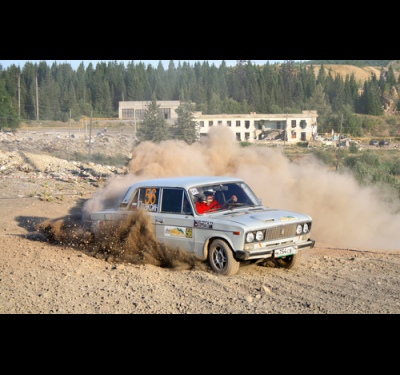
(68, 231)
(131, 240)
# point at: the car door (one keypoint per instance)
(174, 221)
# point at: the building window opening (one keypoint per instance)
(128, 114)
(139, 114)
(258, 124)
(166, 113)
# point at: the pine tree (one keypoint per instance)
(391, 79)
(153, 127)
(187, 128)
(8, 116)
(320, 102)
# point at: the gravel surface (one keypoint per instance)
(38, 276)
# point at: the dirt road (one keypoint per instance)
(37, 277)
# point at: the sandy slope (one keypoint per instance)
(360, 74)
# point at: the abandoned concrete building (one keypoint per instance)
(251, 127)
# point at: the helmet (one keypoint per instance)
(209, 192)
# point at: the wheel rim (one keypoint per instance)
(219, 258)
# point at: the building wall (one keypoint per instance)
(133, 110)
(251, 127)
(254, 127)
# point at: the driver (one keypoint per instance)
(209, 203)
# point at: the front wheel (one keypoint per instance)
(221, 259)
(290, 261)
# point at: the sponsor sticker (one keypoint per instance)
(175, 232)
(285, 218)
(203, 224)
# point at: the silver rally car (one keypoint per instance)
(234, 232)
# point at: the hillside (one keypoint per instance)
(360, 74)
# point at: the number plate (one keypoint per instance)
(285, 251)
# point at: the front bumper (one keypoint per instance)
(268, 253)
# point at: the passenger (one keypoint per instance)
(210, 204)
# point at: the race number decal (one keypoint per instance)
(150, 197)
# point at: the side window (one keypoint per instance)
(172, 201)
(186, 209)
(134, 201)
(148, 199)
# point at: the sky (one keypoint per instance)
(76, 63)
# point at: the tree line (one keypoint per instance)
(58, 92)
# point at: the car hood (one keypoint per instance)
(258, 217)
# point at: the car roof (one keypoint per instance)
(188, 181)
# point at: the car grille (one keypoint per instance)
(282, 231)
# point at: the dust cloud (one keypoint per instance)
(345, 215)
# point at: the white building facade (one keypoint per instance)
(251, 127)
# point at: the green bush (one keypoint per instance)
(350, 161)
(302, 144)
(391, 121)
(368, 124)
(325, 155)
(395, 168)
(370, 158)
(353, 149)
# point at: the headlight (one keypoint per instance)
(299, 229)
(259, 235)
(305, 228)
(250, 237)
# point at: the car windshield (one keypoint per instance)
(222, 194)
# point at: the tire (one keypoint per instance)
(289, 262)
(221, 259)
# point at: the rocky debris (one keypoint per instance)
(35, 164)
(39, 152)
(105, 143)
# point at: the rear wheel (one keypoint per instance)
(290, 261)
(221, 259)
